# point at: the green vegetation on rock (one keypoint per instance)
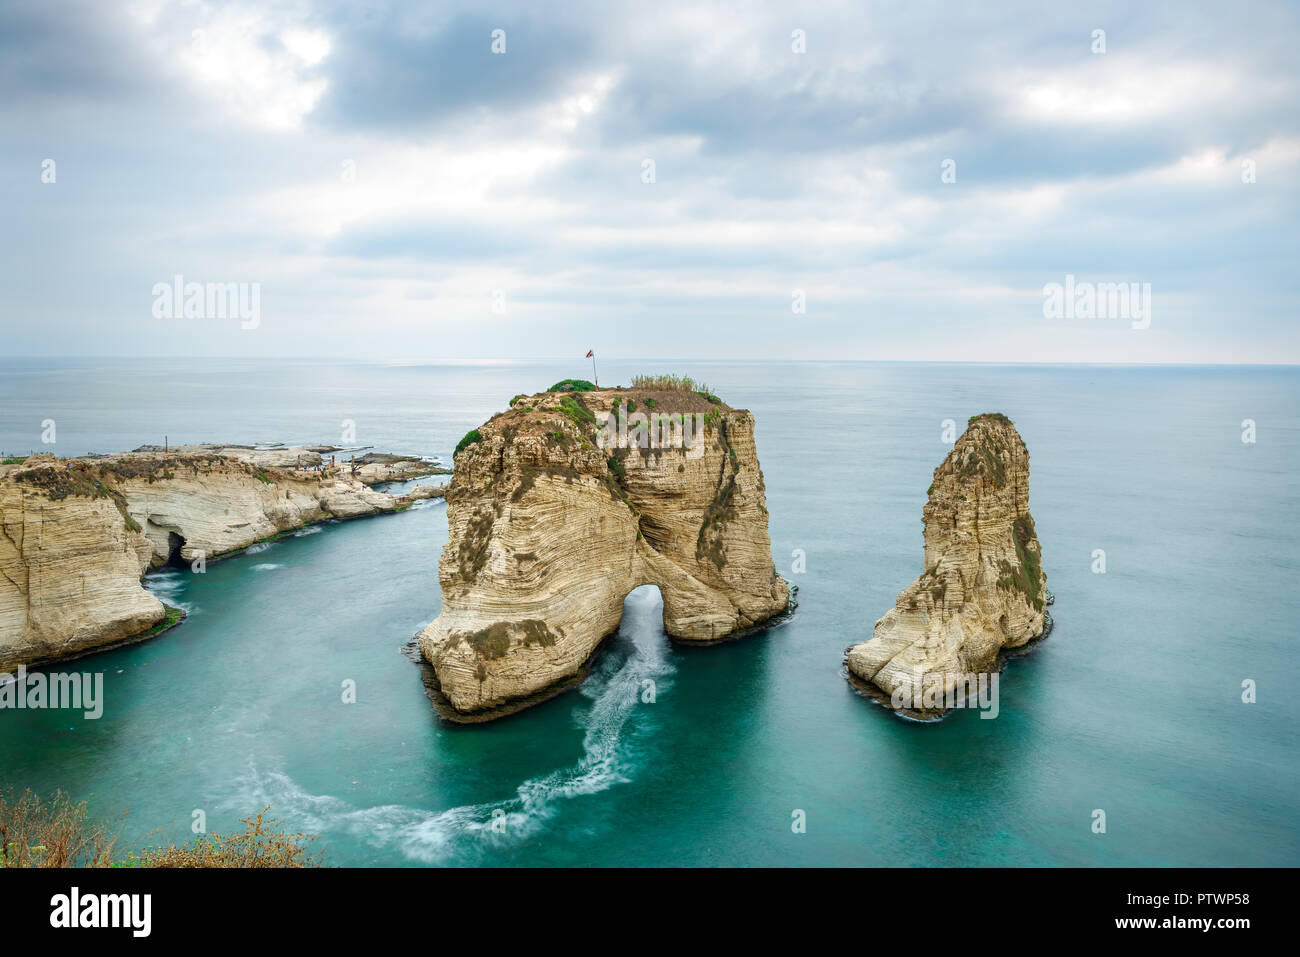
(1026, 576)
(173, 616)
(578, 413)
(573, 385)
(472, 436)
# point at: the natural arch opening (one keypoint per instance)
(643, 613)
(641, 654)
(175, 543)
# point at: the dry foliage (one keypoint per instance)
(53, 833)
(59, 833)
(262, 843)
(670, 383)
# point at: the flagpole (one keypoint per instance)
(593, 369)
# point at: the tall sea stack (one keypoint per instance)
(562, 505)
(982, 590)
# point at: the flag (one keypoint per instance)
(591, 354)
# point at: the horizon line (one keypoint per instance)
(484, 360)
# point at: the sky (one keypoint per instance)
(863, 180)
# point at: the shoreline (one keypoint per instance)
(153, 631)
(178, 506)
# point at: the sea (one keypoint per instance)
(1155, 726)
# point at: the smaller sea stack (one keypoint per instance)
(982, 591)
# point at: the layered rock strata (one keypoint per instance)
(75, 538)
(565, 503)
(982, 592)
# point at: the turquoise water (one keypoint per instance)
(1132, 706)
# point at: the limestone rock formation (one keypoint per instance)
(75, 540)
(370, 468)
(563, 504)
(982, 591)
(70, 570)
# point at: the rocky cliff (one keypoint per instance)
(982, 590)
(562, 505)
(75, 540)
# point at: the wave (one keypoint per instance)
(266, 567)
(309, 530)
(609, 757)
(259, 547)
(167, 586)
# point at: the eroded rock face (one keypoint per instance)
(554, 519)
(69, 576)
(983, 589)
(76, 540)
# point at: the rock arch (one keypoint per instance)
(552, 526)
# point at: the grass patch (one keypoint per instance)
(994, 416)
(670, 383)
(61, 483)
(578, 413)
(171, 618)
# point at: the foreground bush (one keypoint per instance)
(262, 843)
(53, 833)
(59, 833)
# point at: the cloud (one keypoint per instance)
(383, 173)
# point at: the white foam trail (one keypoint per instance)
(259, 547)
(265, 567)
(309, 530)
(166, 585)
(607, 759)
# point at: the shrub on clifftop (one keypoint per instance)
(573, 385)
(472, 436)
